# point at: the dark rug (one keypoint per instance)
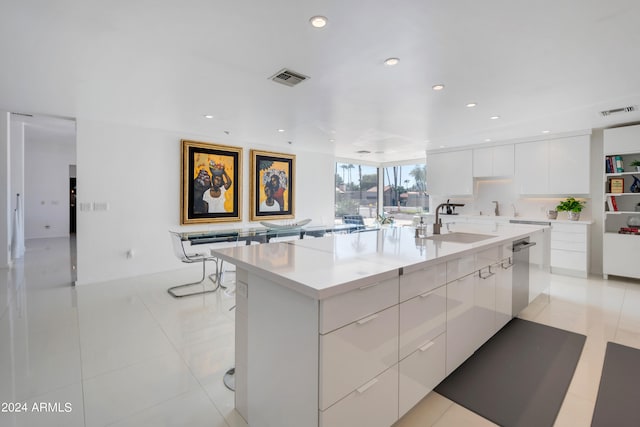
(519, 377)
(618, 402)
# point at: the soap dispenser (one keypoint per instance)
(421, 229)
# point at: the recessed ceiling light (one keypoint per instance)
(332, 140)
(280, 130)
(487, 140)
(545, 131)
(494, 117)
(208, 116)
(437, 87)
(471, 104)
(442, 146)
(391, 61)
(318, 21)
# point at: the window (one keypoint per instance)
(405, 191)
(356, 191)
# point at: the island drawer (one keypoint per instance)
(460, 267)
(421, 281)
(343, 309)
(421, 372)
(422, 319)
(356, 353)
(373, 404)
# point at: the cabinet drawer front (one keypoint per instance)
(569, 260)
(352, 355)
(421, 281)
(564, 236)
(569, 246)
(343, 309)
(460, 267)
(487, 257)
(421, 372)
(374, 404)
(421, 319)
(569, 228)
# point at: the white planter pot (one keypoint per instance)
(574, 216)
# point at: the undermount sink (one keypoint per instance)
(460, 237)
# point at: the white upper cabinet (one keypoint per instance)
(553, 167)
(450, 173)
(532, 167)
(493, 161)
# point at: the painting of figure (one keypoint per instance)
(272, 185)
(211, 177)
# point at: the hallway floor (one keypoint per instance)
(125, 353)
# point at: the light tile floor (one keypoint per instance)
(125, 353)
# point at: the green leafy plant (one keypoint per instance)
(571, 205)
(635, 163)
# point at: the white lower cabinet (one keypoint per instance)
(356, 353)
(485, 305)
(372, 404)
(421, 371)
(422, 318)
(504, 292)
(460, 321)
(570, 249)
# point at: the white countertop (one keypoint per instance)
(505, 218)
(328, 266)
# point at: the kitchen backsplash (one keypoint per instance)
(504, 191)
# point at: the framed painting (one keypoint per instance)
(272, 185)
(211, 183)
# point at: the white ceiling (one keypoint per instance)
(539, 65)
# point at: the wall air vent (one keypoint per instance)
(611, 112)
(288, 77)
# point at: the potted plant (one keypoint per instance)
(636, 163)
(572, 206)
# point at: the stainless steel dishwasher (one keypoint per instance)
(520, 295)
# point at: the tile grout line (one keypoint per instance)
(195, 377)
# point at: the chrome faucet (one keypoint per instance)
(497, 210)
(438, 224)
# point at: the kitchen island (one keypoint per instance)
(355, 329)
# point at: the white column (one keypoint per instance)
(5, 188)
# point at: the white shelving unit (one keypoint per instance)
(620, 251)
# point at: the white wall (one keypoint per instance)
(136, 172)
(597, 199)
(46, 185)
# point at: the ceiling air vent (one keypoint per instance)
(628, 109)
(363, 152)
(288, 77)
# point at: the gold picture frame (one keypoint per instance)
(211, 183)
(272, 185)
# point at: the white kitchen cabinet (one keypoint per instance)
(461, 331)
(422, 318)
(554, 167)
(532, 167)
(356, 353)
(374, 403)
(570, 248)
(493, 161)
(485, 305)
(504, 286)
(364, 301)
(569, 165)
(420, 372)
(450, 173)
(424, 280)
